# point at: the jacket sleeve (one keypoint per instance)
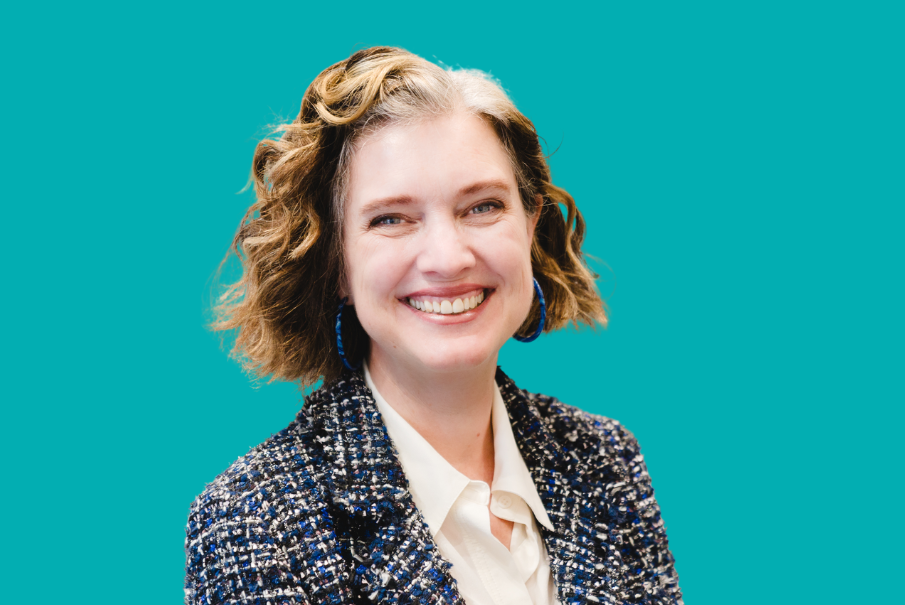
(645, 545)
(232, 557)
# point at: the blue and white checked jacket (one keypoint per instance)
(321, 513)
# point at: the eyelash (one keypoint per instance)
(378, 222)
(493, 204)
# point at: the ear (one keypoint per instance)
(345, 291)
(532, 220)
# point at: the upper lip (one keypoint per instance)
(446, 291)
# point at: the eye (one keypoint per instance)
(386, 220)
(485, 207)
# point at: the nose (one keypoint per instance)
(445, 251)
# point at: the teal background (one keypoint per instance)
(740, 167)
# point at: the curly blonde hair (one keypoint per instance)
(290, 240)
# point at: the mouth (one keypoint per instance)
(454, 305)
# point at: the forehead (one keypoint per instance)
(432, 159)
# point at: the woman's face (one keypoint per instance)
(433, 217)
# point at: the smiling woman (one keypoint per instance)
(452, 229)
(405, 228)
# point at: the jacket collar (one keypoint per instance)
(571, 492)
(366, 480)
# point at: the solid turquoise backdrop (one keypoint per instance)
(740, 167)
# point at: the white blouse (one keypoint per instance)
(456, 511)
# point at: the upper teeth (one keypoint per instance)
(448, 307)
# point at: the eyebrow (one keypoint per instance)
(378, 206)
(382, 204)
(491, 185)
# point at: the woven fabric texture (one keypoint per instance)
(320, 512)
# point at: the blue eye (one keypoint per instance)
(484, 208)
(386, 220)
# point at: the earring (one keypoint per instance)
(543, 316)
(339, 336)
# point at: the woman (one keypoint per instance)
(405, 227)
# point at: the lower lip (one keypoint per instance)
(458, 318)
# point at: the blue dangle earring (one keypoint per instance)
(339, 336)
(543, 317)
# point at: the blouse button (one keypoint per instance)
(504, 501)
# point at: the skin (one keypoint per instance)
(433, 210)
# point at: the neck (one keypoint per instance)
(451, 410)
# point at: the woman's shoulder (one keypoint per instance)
(579, 430)
(240, 527)
(289, 456)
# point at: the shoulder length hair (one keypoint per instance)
(289, 242)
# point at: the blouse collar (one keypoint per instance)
(435, 484)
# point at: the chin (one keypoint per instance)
(452, 358)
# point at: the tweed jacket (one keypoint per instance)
(320, 513)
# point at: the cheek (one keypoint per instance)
(509, 254)
(374, 271)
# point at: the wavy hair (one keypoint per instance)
(289, 242)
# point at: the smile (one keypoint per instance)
(453, 306)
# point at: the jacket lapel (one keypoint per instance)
(395, 559)
(584, 564)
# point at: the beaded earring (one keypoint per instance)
(543, 316)
(339, 336)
